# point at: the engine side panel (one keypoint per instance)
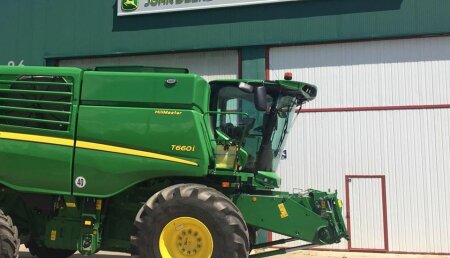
(118, 147)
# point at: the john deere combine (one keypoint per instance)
(156, 162)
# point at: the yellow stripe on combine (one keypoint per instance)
(36, 138)
(91, 146)
(115, 149)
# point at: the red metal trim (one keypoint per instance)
(400, 252)
(239, 64)
(363, 176)
(269, 236)
(267, 63)
(362, 250)
(384, 205)
(385, 218)
(375, 108)
(347, 210)
(369, 251)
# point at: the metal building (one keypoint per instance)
(379, 131)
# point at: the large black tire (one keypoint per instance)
(9, 237)
(45, 252)
(220, 216)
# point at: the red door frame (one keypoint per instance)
(384, 203)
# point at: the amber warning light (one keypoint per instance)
(288, 76)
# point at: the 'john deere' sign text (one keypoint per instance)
(133, 7)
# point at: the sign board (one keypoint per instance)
(135, 7)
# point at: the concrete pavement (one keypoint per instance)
(300, 254)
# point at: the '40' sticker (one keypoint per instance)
(80, 182)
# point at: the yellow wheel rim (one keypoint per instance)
(185, 237)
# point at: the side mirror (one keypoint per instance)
(260, 94)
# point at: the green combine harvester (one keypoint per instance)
(152, 161)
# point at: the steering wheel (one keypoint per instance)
(258, 129)
(248, 125)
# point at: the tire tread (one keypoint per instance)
(213, 200)
(9, 237)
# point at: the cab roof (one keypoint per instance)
(301, 90)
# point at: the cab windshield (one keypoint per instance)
(261, 134)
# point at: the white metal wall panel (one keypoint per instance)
(376, 73)
(211, 65)
(367, 227)
(410, 147)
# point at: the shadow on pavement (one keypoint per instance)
(99, 255)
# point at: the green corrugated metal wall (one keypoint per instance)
(34, 30)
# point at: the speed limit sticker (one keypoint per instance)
(80, 182)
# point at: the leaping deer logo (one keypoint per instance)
(129, 5)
